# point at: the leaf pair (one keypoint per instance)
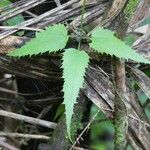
(54, 38)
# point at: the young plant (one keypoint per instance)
(75, 61)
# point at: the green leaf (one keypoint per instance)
(4, 3)
(74, 65)
(52, 39)
(104, 41)
(14, 21)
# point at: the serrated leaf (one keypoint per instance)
(74, 64)
(104, 41)
(52, 39)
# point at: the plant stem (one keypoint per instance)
(81, 26)
(120, 108)
(121, 119)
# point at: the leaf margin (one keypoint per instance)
(68, 106)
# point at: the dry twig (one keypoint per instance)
(28, 119)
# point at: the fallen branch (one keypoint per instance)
(28, 119)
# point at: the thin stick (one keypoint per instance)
(31, 14)
(88, 125)
(81, 27)
(21, 135)
(20, 28)
(28, 119)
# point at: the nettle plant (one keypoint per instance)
(75, 61)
